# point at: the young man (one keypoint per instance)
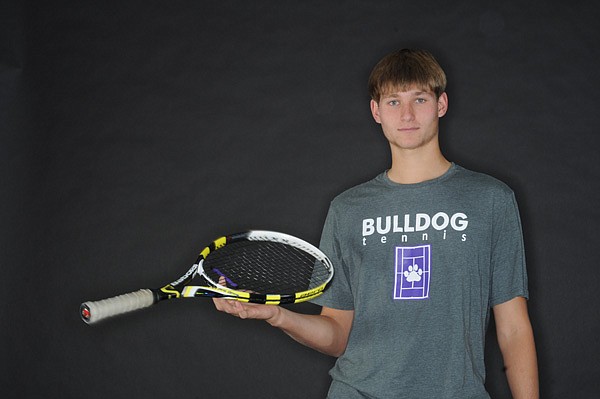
(422, 253)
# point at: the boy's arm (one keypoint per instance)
(515, 338)
(327, 332)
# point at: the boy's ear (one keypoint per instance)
(375, 111)
(442, 104)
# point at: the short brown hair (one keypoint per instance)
(404, 68)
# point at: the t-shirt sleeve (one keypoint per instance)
(509, 273)
(339, 294)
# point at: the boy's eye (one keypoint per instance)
(420, 100)
(393, 102)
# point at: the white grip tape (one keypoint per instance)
(119, 304)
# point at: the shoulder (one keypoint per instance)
(360, 193)
(481, 182)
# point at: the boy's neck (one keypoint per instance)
(417, 167)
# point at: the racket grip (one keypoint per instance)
(94, 311)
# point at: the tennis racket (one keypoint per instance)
(255, 266)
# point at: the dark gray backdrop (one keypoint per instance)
(133, 133)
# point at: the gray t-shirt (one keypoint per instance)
(421, 265)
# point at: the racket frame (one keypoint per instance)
(180, 289)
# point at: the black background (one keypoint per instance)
(133, 133)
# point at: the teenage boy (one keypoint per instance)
(422, 254)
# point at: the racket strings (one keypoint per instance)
(265, 267)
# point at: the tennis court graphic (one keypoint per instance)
(413, 272)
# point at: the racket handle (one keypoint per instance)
(94, 311)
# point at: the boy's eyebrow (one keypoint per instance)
(397, 94)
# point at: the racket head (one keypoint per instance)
(262, 266)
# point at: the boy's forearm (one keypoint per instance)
(319, 332)
(520, 361)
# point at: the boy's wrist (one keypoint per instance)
(275, 319)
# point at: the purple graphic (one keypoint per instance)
(413, 268)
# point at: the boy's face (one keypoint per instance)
(410, 117)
